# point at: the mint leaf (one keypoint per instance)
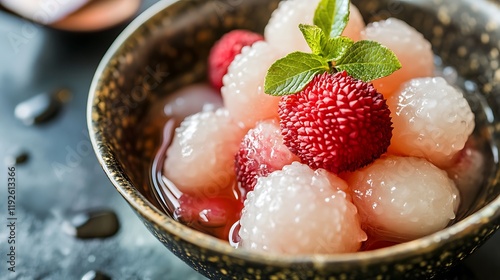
(329, 48)
(292, 73)
(332, 16)
(335, 48)
(368, 60)
(314, 37)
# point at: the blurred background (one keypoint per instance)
(70, 222)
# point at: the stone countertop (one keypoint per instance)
(61, 176)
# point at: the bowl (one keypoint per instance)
(166, 48)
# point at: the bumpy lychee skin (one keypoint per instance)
(336, 122)
(262, 151)
(297, 210)
(224, 51)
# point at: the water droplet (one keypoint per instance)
(95, 275)
(91, 258)
(92, 224)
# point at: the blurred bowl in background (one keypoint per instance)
(75, 16)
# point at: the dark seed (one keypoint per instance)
(16, 156)
(93, 224)
(41, 107)
(95, 275)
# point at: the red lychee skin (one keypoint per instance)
(212, 215)
(336, 122)
(248, 169)
(224, 51)
(262, 151)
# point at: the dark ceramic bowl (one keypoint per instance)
(167, 47)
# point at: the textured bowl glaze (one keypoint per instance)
(167, 47)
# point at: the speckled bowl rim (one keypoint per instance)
(483, 216)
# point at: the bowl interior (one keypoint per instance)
(167, 48)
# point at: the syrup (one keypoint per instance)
(214, 214)
(219, 215)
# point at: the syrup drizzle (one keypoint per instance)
(164, 190)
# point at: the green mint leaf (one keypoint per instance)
(293, 72)
(329, 48)
(335, 48)
(332, 16)
(368, 60)
(314, 37)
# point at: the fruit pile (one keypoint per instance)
(333, 136)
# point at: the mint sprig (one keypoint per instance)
(336, 48)
(293, 72)
(314, 37)
(329, 48)
(368, 60)
(364, 60)
(332, 16)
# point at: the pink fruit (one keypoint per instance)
(412, 49)
(261, 152)
(403, 198)
(201, 156)
(190, 100)
(243, 90)
(468, 174)
(282, 31)
(224, 51)
(213, 215)
(300, 211)
(431, 119)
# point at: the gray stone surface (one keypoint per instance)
(62, 175)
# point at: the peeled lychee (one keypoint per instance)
(243, 90)
(467, 171)
(300, 211)
(431, 119)
(201, 156)
(403, 198)
(411, 48)
(282, 31)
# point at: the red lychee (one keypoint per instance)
(336, 122)
(261, 152)
(224, 51)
